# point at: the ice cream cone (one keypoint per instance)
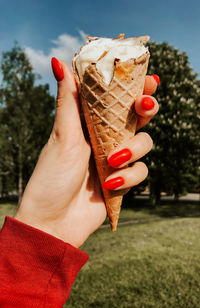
(110, 115)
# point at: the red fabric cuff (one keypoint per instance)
(36, 265)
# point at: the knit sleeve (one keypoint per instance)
(36, 268)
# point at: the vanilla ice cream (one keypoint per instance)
(104, 51)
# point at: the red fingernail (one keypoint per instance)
(147, 103)
(157, 78)
(113, 183)
(57, 69)
(119, 158)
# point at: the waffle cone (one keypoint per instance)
(110, 116)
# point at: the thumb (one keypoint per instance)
(67, 119)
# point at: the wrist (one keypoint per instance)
(50, 227)
(33, 222)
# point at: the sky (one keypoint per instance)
(58, 28)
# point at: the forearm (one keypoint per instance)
(36, 269)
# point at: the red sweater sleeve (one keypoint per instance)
(36, 269)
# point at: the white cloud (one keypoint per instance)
(38, 59)
(64, 48)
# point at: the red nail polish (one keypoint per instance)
(57, 69)
(157, 78)
(113, 183)
(147, 103)
(119, 158)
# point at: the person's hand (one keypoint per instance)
(63, 196)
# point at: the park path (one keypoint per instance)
(188, 197)
(134, 222)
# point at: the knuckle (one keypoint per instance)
(57, 135)
(146, 170)
(53, 137)
(147, 140)
(61, 96)
(143, 166)
(59, 101)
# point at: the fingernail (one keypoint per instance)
(57, 69)
(157, 78)
(147, 103)
(119, 158)
(113, 183)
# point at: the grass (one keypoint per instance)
(152, 262)
(149, 265)
(7, 209)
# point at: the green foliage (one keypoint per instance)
(26, 114)
(175, 158)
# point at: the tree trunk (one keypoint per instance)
(3, 186)
(176, 196)
(20, 174)
(155, 191)
(153, 199)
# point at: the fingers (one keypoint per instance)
(67, 117)
(125, 154)
(130, 151)
(151, 83)
(126, 178)
(146, 107)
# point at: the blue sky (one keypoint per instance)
(56, 28)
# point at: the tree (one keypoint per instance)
(174, 160)
(26, 118)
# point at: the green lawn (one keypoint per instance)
(151, 262)
(7, 209)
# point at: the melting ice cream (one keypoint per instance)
(104, 51)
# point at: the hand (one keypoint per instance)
(63, 196)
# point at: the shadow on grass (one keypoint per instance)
(10, 200)
(166, 208)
